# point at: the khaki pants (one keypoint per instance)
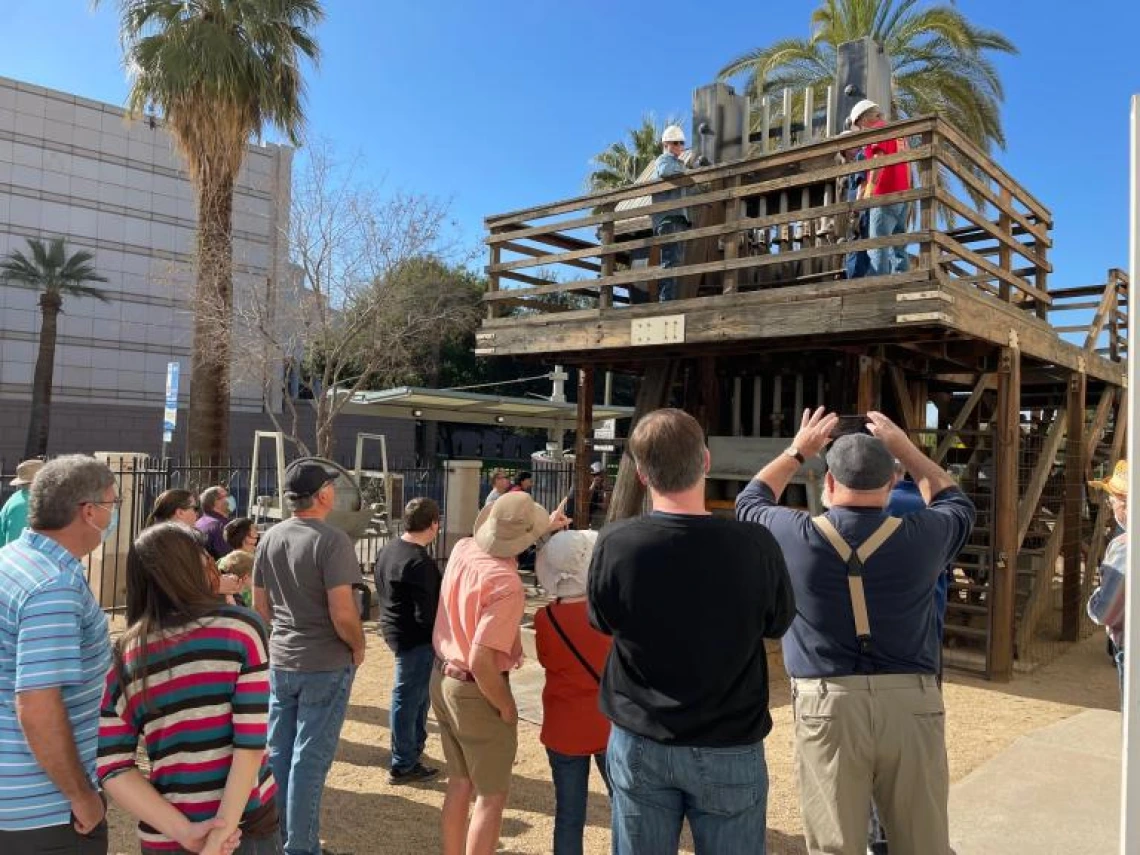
(880, 736)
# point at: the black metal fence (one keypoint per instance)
(142, 479)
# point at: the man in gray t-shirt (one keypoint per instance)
(303, 575)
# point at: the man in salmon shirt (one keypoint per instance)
(573, 654)
(477, 642)
(890, 219)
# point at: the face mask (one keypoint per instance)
(105, 533)
(231, 504)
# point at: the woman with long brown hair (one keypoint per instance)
(190, 677)
(175, 505)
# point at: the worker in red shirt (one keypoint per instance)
(889, 219)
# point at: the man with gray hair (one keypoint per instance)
(54, 656)
(862, 651)
(303, 577)
(689, 599)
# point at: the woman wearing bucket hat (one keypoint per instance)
(573, 654)
(14, 514)
(478, 644)
(1106, 605)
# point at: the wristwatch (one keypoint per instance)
(792, 451)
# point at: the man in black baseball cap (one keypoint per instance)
(863, 651)
(306, 478)
(303, 577)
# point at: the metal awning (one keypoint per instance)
(443, 405)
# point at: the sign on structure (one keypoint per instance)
(170, 412)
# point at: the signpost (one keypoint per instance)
(170, 412)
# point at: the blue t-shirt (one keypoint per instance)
(52, 635)
(13, 516)
(906, 499)
(898, 580)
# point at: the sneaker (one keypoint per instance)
(419, 772)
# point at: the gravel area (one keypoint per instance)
(362, 814)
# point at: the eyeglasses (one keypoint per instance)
(193, 508)
(116, 502)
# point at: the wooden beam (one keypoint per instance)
(1092, 438)
(575, 259)
(1107, 304)
(1042, 469)
(1023, 286)
(1003, 585)
(1073, 502)
(583, 446)
(963, 416)
(902, 393)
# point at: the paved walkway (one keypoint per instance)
(1053, 791)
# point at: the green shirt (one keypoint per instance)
(14, 516)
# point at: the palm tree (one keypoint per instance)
(620, 165)
(941, 62)
(219, 72)
(55, 274)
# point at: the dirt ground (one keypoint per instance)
(362, 814)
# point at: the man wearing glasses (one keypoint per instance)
(54, 656)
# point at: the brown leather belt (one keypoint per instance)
(455, 672)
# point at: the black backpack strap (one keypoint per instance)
(570, 645)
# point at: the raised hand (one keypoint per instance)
(815, 431)
(893, 437)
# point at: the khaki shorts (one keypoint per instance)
(477, 743)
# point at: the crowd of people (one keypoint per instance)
(233, 674)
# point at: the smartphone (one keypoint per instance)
(849, 424)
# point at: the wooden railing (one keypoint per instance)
(1105, 333)
(776, 220)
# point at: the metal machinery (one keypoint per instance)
(368, 501)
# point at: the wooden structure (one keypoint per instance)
(766, 325)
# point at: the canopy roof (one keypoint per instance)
(444, 405)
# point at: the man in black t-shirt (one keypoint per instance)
(689, 599)
(407, 585)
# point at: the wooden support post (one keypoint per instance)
(1092, 438)
(867, 397)
(493, 280)
(765, 123)
(797, 411)
(583, 446)
(737, 424)
(926, 180)
(1005, 256)
(652, 394)
(777, 405)
(732, 239)
(786, 142)
(960, 421)
(1003, 585)
(606, 235)
(902, 395)
(1074, 499)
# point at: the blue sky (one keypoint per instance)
(498, 105)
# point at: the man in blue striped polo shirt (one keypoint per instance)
(54, 656)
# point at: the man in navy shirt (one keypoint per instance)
(862, 651)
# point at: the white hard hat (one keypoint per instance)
(862, 107)
(673, 133)
(596, 468)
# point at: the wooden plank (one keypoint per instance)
(1039, 232)
(741, 224)
(1107, 304)
(583, 447)
(1007, 244)
(1100, 419)
(902, 393)
(731, 238)
(1040, 599)
(1073, 505)
(574, 260)
(1003, 589)
(606, 298)
(823, 150)
(955, 248)
(651, 274)
(1043, 468)
(980, 158)
(492, 284)
(983, 382)
(784, 182)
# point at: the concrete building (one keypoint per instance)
(80, 169)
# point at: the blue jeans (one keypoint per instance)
(571, 793)
(306, 711)
(259, 846)
(410, 702)
(883, 221)
(723, 792)
(671, 256)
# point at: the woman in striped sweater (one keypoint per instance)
(190, 677)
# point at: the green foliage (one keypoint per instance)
(942, 63)
(49, 268)
(622, 163)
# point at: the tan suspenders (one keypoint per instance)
(855, 559)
